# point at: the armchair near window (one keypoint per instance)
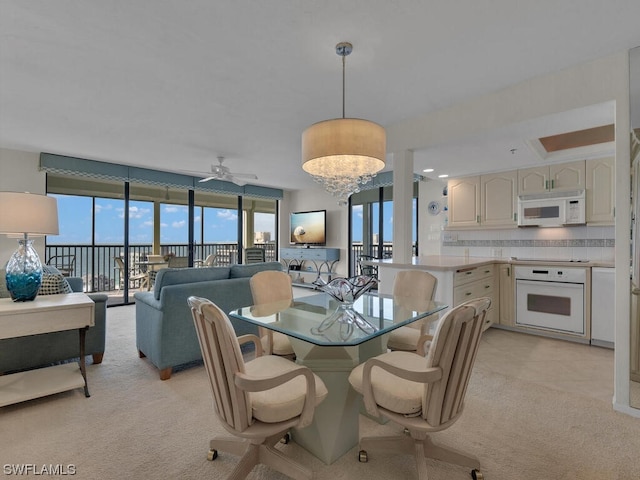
(257, 401)
(424, 394)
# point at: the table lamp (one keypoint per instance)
(23, 215)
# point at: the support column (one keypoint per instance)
(156, 228)
(402, 201)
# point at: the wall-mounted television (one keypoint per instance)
(308, 228)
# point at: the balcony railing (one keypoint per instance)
(97, 266)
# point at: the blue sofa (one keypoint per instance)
(24, 353)
(165, 333)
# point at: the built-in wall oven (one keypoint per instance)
(551, 298)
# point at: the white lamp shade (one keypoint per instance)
(343, 147)
(28, 213)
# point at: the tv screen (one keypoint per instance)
(308, 228)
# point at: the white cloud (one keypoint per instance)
(229, 215)
(179, 224)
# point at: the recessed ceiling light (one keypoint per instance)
(443, 176)
(428, 170)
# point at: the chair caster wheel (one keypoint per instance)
(212, 455)
(286, 438)
(477, 474)
(362, 456)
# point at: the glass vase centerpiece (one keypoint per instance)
(346, 291)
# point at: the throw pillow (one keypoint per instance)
(53, 284)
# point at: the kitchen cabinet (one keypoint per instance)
(562, 176)
(498, 199)
(475, 282)
(600, 197)
(464, 202)
(487, 200)
(506, 290)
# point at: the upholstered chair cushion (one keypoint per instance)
(281, 344)
(284, 402)
(390, 391)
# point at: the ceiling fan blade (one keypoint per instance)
(238, 182)
(202, 180)
(244, 175)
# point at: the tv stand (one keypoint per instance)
(318, 261)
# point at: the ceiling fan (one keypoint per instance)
(222, 172)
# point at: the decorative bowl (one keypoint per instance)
(348, 290)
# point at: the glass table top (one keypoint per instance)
(322, 320)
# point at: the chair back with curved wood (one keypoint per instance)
(453, 350)
(271, 286)
(223, 360)
(412, 289)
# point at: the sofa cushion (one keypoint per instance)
(249, 270)
(178, 276)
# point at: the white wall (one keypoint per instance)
(19, 173)
(337, 220)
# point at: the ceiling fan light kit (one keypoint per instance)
(222, 172)
(344, 153)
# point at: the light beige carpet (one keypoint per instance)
(136, 426)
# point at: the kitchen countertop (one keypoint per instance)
(452, 262)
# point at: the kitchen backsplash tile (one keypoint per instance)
(588, 243)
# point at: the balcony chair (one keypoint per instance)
(142, 277)
(66, 264)
(267, 287)
(424, 394)
(257, 401)
(368, 270)
(412, 286)
(178, 262)
(254, 255)
(210, 261)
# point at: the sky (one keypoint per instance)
(74, 218)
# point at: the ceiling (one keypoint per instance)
(172, 85)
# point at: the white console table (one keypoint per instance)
(45, 314)
(322, 259)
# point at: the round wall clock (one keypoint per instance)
(434, 207)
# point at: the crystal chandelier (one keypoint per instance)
(344, 153)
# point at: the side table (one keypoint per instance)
(45, 314)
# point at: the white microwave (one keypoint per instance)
(551, 209)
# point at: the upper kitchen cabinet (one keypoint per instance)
(487, 200)
(600, 196)
(464, 202)
(562, 176)
(498, 205)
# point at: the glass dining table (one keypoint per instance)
(331, 342)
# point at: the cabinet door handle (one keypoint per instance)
(467, 294)
(553, 184)
(477, 218)
(468, 273)
(546, 184)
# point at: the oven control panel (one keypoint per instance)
(551, 274)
